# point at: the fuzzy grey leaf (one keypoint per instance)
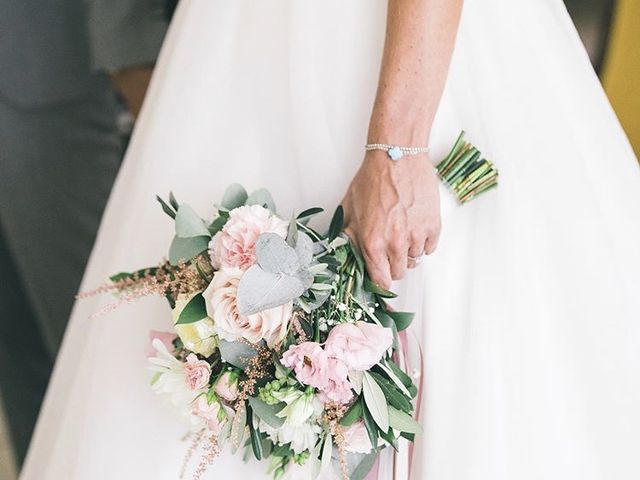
(275, 256)
(259, 290)
(236, 353)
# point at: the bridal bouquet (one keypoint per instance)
(281, 343)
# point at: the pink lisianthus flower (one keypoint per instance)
(338, 388)
(220, 297)
(227, 386)
(166, 338)
(213, 414)
(359, 345)
(234, 245)
(310, 363)
(197, 372)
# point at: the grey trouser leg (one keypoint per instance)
(57, 166)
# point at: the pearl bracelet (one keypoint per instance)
(396, 152)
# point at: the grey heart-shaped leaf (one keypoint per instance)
(259, 290)
(275, 256)
(237, 354)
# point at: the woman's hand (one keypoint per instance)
(392, 212)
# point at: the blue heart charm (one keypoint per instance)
(395, 153)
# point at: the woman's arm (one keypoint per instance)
(392, 209)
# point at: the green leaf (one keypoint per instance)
(292, 231)
(369, 286)
(402, 421)
(327, 451)
(402, 319)
(189, 224)
(187, 248)
(172, 200)
(237, 428)
(404, 378)
(364, 467)
(256, 441)
(374, 399)
(166, 208)
(394, 378)
(234, 196)
(390, 438)
(352, 415)
(267, 413)
(218, 223)
(370, 425)
(308, 213)
(392, 394)
(195, 310)
(336, 223)
(386, 321)
(262, 197)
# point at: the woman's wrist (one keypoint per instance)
(408, 129)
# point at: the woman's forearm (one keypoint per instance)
(418, 46)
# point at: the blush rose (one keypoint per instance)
(359, 345)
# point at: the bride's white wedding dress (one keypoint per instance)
(529, 311)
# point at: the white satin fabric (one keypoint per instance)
(528, 313)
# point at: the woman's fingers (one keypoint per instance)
(375, 257)
(397, 254)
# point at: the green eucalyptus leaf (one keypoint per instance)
(375, 401)
(234, 196)
(262, 197)
(218, 223)
(187, 248)
(189, 224)
(193, 311)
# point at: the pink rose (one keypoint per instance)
(212, 413)
(310, 363)
(220, 296)
(338, 388)
(234, 245)
(166, 338)
(227, 386)
(197, 372)
(360, 345)
(356, 438)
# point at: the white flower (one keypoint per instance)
(171, 379)
(302, 437)
(299, 408)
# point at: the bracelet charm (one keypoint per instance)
(395, 152)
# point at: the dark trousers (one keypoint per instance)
(57, 166)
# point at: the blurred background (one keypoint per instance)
(609, 29)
